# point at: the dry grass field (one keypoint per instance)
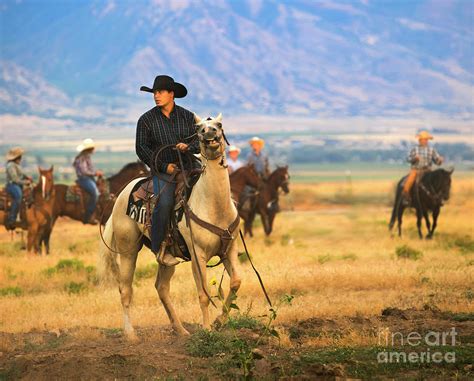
(330, 250)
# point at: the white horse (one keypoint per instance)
(210, 201)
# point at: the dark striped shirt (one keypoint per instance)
(155, 130)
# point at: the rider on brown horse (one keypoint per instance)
(421, 158)
(15, 181)
(85, 178)
(163, 125)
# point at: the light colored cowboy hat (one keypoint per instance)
(424, 135)
(14, 153)
(86, 144)
(258, 140)
(234, 148)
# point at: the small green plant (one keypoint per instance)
(65, 266)
(407, 252)
(349, 257)
(324, 258)
(285, 239)
(75, 287)
(205, 343)
(465, 244)
(469, 294)
(11, 291)
(148, 271)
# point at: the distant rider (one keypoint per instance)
(421, 158)
(233, 161)
(85, 172)
(16, 179)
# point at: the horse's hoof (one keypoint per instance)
(132, 337)
(429, 237)
(219, 322)
(182, 332)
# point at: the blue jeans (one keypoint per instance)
(15, 191)
(88, 184)
(163, 208)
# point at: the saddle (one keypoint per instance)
(142, 202)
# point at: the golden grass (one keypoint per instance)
(337, 261)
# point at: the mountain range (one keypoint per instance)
(362, 66)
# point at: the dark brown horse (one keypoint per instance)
(428, 196)
(242, 177)
(109, 189)
(266, 201)
(39, 214)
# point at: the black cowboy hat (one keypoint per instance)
(164, 82)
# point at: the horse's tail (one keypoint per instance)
(396, 205)
(107, 266)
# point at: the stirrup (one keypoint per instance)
(165, 258)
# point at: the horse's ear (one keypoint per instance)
(197, 119)
(39, 169)
(451, 170)
(52, 168)
(219, 118)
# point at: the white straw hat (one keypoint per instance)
(234, 148)
(86, 144)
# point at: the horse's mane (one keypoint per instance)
(134, 165)
(241, 169)
(276, 172)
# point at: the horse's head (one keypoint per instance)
(211, 134)
(281, 178)
(46, 182)
(443, 183)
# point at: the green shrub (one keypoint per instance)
(209, 344)
(149, 271)
(408, 253)
(7, 291)
(466, 244)
(244, 321)
(74, 287)
(67, 266)
(324, 258)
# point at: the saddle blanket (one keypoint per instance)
(137, 209)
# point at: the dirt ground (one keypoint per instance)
(105, 354)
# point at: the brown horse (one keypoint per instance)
(242, 177)
(39, 214)
(109, 189)
(266, 201)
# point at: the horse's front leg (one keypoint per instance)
(418, 222)
(401, 209)
(428, 224)
(31, 237)
(231, 264)
(199, 273)
(435, 221)
(162, 285)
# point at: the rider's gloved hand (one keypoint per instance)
(183, 147)
(171, 168)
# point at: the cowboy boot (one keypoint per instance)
(164, 257)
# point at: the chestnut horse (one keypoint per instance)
(241, 177)
(39, 214)
(109, 189)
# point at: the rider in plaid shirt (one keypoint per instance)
(421, 158)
